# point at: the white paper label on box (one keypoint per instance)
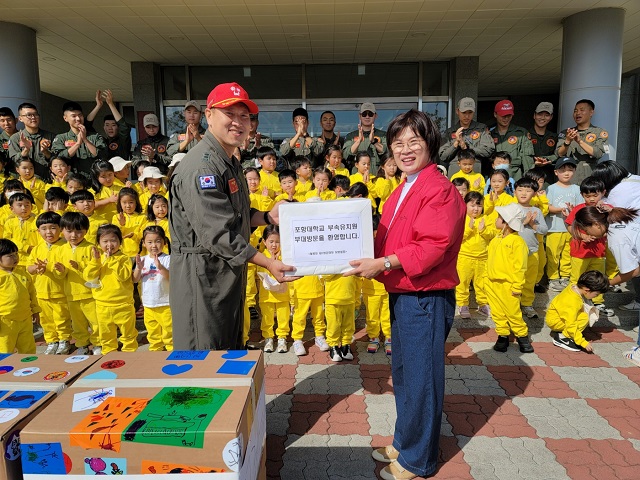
(8, 414)
(91, 399)
(76, 358)
(232, 454)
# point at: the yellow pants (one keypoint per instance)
(17, 335)
(358, 293)
(304, 305)
(341, 324)
(469, 269)
(505, 310)
(112, 317)
(610, 265)
(542, 258)
(281, 311)
(252, 287)
(84, 318)
(581, 265)
(159, 328)
(558, 255)
(246, 327)
(528, 295)
(378, 315)
(55, 319)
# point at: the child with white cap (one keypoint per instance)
(506, 269)
(151, 180)
(121, 171)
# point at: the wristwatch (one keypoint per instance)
(387, 264)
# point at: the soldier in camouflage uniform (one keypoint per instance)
(32, 142)
(544, 141)
(512, 139)
(254, 141)
(154, 146)
(183, 142)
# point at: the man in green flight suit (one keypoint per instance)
(466, 134)
(32, 142)
(512, 139)
(183, 142)
(544, 140)
(585, 143)
(154, 145)
(210, 221)
(8, 126)
(367, 138)
(117, 132)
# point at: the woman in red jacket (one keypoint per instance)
(416, 249)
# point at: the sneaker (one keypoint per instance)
(633, 306)
(539, 288)
(385, 454)
(52, 348)
(82, 351)
(322, 344)
(395, 471)
(464, 312)
(63, 347)
(282, 345)
(345, 351)
(298, 348)
(374, 345)
(556, 285)
(564, 282)
(530, 312)
(253, 313)
(97, 350)
(561, 341)
(268, 345)
(617, 288)
(502, 344)
(633, 355)
(484, 310)
(334, 354)
(387, 346)
(603, 310)
(525, 344)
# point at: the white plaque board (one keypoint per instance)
(321, 238)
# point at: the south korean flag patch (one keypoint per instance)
(207, 182)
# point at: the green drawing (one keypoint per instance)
(176, 416)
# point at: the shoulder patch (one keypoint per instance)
(207, 182)
(551, 142)
(512, 140)
(604, 134)
(590, 137)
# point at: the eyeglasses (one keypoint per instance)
(414, 145)
(253, 117)
(367, 114)
(30, 115)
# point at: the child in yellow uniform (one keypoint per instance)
(388, 178)
(56, 199)
(466, 160)
(83, 202)
(268, 178)
(309, 298)
(320, 189)
(55, 318)
(19, 308)
(156, 215)
(363, 165)
(340, 186)
(4, 176)
(339, 303)
(121, 172)
(129, 219)
(113, 294)
(288, 185)
(151, 179)
(462, 185)
(71, 260)
(75, 182)
(11, 186)
(139, 166)
(27, 175)
(274, 298)
(59, 173)
(152, 271)
(572, 310)
(105, 195)
(472, 259)
(540, 201)
(302, 166)
(497, 196)
(333, 161)
(21, 227)
(506, 268)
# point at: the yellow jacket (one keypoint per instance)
(303, 187)
(271, 181)
(507, 261)
(373, 194)
(114, 273)
(384, 189)
(146, 196)
(62, 185)
(74, 287)
(542, 202)
(476, 242)
(18, 295)
(130, 245)
(267, 296)
(164, 223)
(340, 170)
(108, 210)
(471, 178)
(339, 290)
(49, 285)
(95, 221)
(326, 195)
(503, 199)
(261, 202)
(37, 188)
(298, 197)
(24, 234)
(371, 286)
(567, 308)
(309, 287)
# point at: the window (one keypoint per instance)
(174, 83)
(439, 113)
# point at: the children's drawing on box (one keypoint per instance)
(43, 459)
(91, 399)
(105, 466)
(103, 427)
(155, 467)
(22, 399)
(177, 416)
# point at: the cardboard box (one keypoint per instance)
(202, 414)
(28, 383)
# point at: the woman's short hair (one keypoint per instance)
(422, 125)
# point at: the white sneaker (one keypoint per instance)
(268, 345)
(464, 312)
(530, 312)
(556, 285)
(63, 347)
(633, 355)
(609, 312)
(298, 348)
(282, 345)
(334, 354)
(634, 306)
(322, 344)
(82, 351)
(52, 348)
(97, 350)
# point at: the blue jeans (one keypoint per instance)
(420, 323)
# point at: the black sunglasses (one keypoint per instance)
(367, 113)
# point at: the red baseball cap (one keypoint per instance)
(227, 94)
(503, 108)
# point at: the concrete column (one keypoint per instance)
(592, 68)
(465, 80)
(19, 76)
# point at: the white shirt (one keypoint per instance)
(626, 194)
(623, 239)
(155, 288)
